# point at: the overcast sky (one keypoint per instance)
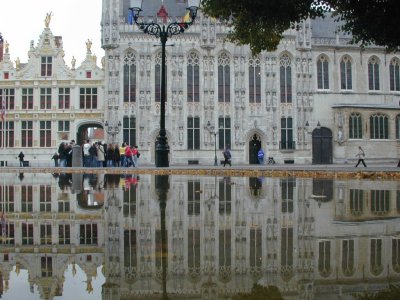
(75, 20)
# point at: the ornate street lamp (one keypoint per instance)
(211, 130)
(113, 130)
(163, 32)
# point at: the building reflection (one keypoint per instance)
(201, 237)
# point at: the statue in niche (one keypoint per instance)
(142, 98)
(47, 19)
(180, 98)
(88, 45)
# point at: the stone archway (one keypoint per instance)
(89, 131)
(322, 146)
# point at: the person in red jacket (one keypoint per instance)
(128, 156)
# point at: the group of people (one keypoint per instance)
(98, 155)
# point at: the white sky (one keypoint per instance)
(75, 20)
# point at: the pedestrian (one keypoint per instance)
(227, 156)
(135, 155)
(101, 157)
(110, 155)
(117, 156)
(122, 154)
(260, 156)
(360, 155)
(21, 159)
(55, 157)
(86, 155)
(128, 156)
(62, 154)
(93, 155)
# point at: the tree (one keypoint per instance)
(261, 23)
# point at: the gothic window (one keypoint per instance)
(254, 80)
(373, 74)
(45, 133)
(130, 77)
(27, 98)
(379, 127)
(224, 78)
(129, 202)
(225, 196)
(380, 202)
(46, 66)
(88, 98)
(224, 132)
(355, 126)
(129, 130)
(394, 74)
(8, 130)
(193, 197)
(348, 257)
(45, 98)
(398, 127)
(64, 234)
(324, 258)
(193, 133)
(64, 98)
(356, 202)
(376, 256)
(323, 73)
(287, 134)
(346, 82)
(193, 78)
(286, 79)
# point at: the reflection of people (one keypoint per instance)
(361, 155)
(47, 19)
(21, 159)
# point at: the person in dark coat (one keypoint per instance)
(21, 159)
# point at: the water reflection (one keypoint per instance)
(204, 237)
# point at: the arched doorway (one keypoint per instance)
(89, 131)
(322, 146)
(254, 146)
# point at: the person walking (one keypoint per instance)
(135, 155)
(21, 159)
(122, 154)
(227, 156)
(110, 155)
(117, 156)
(360, 155)
(55, 157)
(128, 156)
(260, 156)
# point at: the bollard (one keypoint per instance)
(77, 156)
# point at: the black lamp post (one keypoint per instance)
(163, 32)
(213, 132)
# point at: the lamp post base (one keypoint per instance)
(215, 161)
(162, 152)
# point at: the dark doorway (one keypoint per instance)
(92, 132)
(322, 146)
(254, 146)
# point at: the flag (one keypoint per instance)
(130, 17)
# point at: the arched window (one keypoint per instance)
(129, 77)
(285, 79)
(355, 126)
(254, 80)
(379, 128)
(346, 82)
(394, 74)
(376, 256)
(323, 73)
(398, 127)
(224, 78)
(348, 257)
(373, 74)
(193, 78)
(324, 258)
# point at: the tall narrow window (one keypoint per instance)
(285, 79)
(348, 257)
(225, 196)
(346, 82)
(324, 258)
(45, 133)
(46, 66)
(46, 264)
(7, 201)
(224, 78)
(193, 198)
(396, 254)
(26, 133)
(193, 133)
(45, 234)
(158, 69)
(194, 246)
(130, 252)
(88, 98)
(129, 130)
(256, 249)
(130, 77)
(225, 249)
(129, 202)
(287, 133)
(64, 234)
(376, 256)
(323, 73)
(27, 234)
(287, 189)
(45, 198)
(394, 74)
(64, 96)
(356, 202)
(193, 78)
(27, 98)
(355, 126)
(7, 134)
(379, 127)
(45, 98)
(254, 80)
(26, 198)
(373, 74)
(224, 133)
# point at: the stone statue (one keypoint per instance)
(17, 63)
(94, 58)
(48, 19)
(88, 45)
(103, 62)
(73, 62)
(6, 47)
